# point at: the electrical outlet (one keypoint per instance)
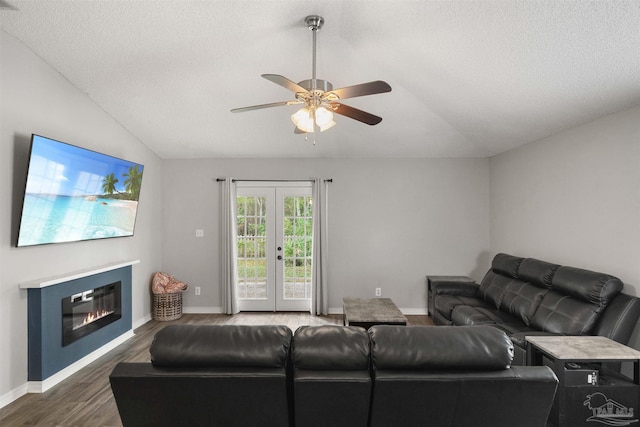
(378, 292)
(199, 233)
(197, 290)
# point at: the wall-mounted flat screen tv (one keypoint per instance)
(75, 194)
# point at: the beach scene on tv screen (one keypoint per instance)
(75, 194)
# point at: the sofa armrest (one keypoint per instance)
(619, 318)
(454, 288)
(520, 338)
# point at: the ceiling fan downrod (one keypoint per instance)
(314, 22)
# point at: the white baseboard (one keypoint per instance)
(14, 394)
(42, 386)
(141, 322)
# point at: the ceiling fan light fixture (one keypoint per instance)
(324, 117)
(303, 119)
(327, 126)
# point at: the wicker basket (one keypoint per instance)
(167, 306)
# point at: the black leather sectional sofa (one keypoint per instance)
(332, 376)
(526, 296)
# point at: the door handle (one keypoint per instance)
(280, 257)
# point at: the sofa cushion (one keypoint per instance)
(562, 314)
(493, 286)
(465, 315)
(439, 348)
(221, 346)
(539, 273)
(330, 347)
(521, 299)
(445, 304)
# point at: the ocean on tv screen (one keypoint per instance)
(57, 219)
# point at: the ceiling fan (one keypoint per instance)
(318, 96)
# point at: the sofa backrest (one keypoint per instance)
(536, 272)
(549, 297)
(516, 285)
(330, 347)
(575, 302)
(523, 295)
(503, 271)
(418, 348)
(331, 377)
(183, 346)
(454, 377)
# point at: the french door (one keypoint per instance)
(274, 246)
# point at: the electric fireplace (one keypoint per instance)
(90, 310)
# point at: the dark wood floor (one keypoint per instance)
(85, 398)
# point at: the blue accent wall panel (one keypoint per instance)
(47, 356)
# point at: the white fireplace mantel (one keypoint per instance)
(54, 280)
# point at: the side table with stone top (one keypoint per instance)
(590, 393)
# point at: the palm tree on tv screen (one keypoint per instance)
(133, 181)
(109, 184)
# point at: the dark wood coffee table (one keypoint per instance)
(366, 312)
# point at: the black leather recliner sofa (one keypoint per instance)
(332, 376)
(526, 296)
(454, 377)
(203, 375)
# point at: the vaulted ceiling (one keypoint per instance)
(469, 77)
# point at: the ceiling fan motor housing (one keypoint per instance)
(322, 85)
(314, 22)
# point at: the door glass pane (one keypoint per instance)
(252, 261)
(297, 247)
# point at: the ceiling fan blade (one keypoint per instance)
(363, 89)
(258, 107)
(297, 130)
(284, 82)
(354, 113)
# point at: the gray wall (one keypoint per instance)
(391, 222)
(574, 198)
(34, 98)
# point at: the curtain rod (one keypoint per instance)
(272, 180)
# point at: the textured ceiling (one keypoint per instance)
(469, 78)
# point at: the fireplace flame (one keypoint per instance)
(92, 317)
